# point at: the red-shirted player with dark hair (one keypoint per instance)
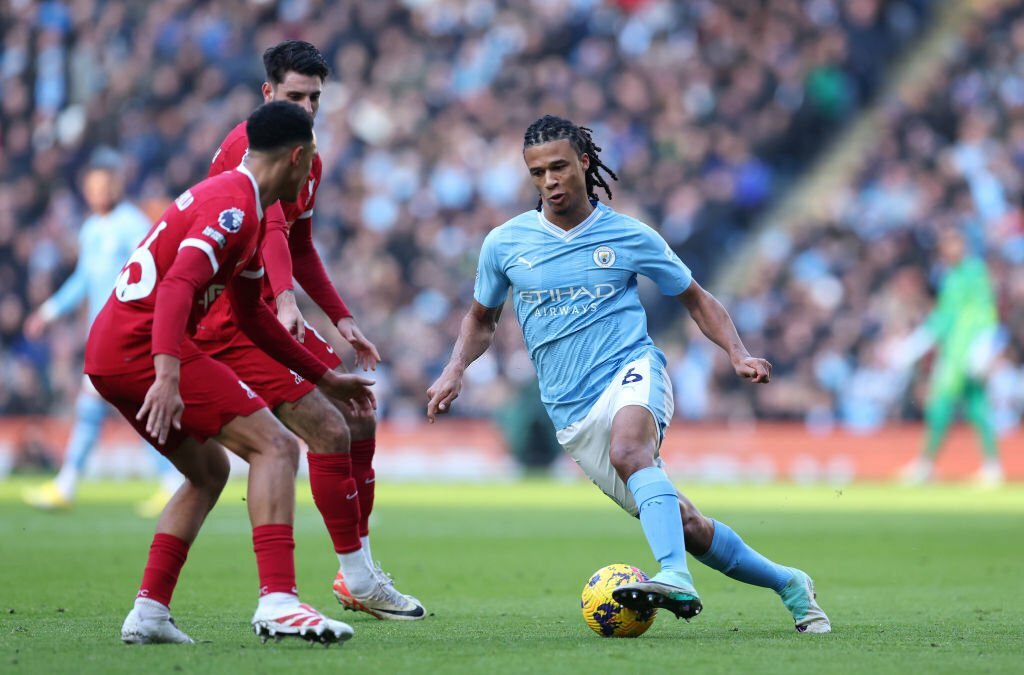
(141, 359)
(342, 482)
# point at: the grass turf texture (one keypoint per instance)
(923, 580)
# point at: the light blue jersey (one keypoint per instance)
(575, 294)
(104, 245)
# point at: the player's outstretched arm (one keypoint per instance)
(714, 321)
(367, 355)
(476, 333)
(312, 276)
(261, 326)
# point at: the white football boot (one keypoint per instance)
(383, 600)
(800, 599)
(281, 615)
(149, 623)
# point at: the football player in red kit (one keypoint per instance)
(141, 358)
(295, 72)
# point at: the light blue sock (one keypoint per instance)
(731, 556)
(660, 517)
(90, 411)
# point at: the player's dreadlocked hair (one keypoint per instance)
(295, 55)
(550, 128)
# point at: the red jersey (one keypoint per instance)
(222, 218)
(288, 247)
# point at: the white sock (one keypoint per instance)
(152, 609)
(366, 550)
(66, 481)
(275, 601)
(359, 576)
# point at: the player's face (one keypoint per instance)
(300, 164)
(559, 175)
(302, 90)
(101, 189)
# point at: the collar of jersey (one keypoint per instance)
(588, 222)
(255, 187)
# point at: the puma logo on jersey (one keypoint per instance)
(526, 262)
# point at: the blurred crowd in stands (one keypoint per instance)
(830, 303)
(707, 110)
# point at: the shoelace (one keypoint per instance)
(385, 578)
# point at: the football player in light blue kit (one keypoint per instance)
(572, 267)
(108, 236)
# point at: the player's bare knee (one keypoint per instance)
(282, 448)
(628, 458)
(331, 434)
(361, 426)
(218, 470)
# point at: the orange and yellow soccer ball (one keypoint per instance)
(606, 617)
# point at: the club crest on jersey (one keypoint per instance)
(604, 256)
(230, 220)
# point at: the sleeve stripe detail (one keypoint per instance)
(253, 274)
(205, 248)
(307, 214)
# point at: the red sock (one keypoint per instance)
(167, 555)
(336, 496)
(275, 558)
(362, 471)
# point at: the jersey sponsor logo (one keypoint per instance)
(299, 379)
(572, 293)
(230, 220)
(184, 200)
(213, 292)
(604, 256)
(217, 237)
(526, 262)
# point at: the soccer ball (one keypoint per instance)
(606, 617)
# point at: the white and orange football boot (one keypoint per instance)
(383, 600)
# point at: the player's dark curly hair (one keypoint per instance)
(551, 128)
(278, 124)
(294, 55)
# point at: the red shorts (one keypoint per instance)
(274, 382)
(213, 395)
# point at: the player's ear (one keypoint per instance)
(585, 161)
(268, 92)
(295, 155)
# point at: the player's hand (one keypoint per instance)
(162, 408)
(289, 315)
(758, 371)
(34, 326)
(441, 394)
(367, 355)
(351, 389)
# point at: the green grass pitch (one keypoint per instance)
(927, 580)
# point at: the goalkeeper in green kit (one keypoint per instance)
(964, 329)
